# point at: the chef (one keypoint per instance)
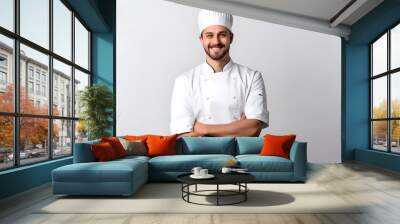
(218, 97)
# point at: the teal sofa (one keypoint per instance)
(125, 176)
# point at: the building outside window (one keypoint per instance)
(30, 72)
(3, 78)
(3, 61)
(3, 72)
(38, 89)
(30, 87)
(43, 90)
(44, 77)
(37, 75)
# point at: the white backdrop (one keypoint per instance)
(157, 41)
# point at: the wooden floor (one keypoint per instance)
(377, 188)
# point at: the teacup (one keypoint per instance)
(226, 170)
(203, 172)
(196, 170)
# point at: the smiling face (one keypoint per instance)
(216, 41)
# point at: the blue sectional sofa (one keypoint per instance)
(125, 176)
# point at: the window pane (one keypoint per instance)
(33, 140)
(34, 97)
(395, 136)
(6, 142)
(62, 137)
(6, 74)
(379, 135)
(81, 131)
(379, 55)
(62, 89)
(379, 100)
(62, 29)
(395, 47)
(395, 94)
(7, 14)
(35, 21)
(81, 81)
(81, 45)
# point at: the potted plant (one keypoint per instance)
(96, 102)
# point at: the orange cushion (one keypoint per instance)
(161, 145)
(116, 145)
(103, 151)
(277, 145)
(136, 137)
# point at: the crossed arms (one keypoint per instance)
(242, 127)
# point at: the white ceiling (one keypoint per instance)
(321, 9)
(325, 16)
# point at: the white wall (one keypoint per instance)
(157, 41)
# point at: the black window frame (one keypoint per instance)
(388, 74)
(16, 115)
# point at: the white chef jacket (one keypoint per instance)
(217, 98)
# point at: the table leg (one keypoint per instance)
(217, 194)
(188, 190)
(245, 193)
(196, 187)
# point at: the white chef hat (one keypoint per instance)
(209, 18)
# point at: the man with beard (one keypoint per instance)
(218, 97)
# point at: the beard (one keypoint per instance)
(218, 56)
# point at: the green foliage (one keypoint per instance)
(96, 102)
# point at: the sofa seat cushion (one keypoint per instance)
(257, 163)
(249, 145)
(205, 145)
(112, 171)
(185, 163)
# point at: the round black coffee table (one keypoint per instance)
(238, 179)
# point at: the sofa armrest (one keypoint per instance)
(298, 155)
(83, 152)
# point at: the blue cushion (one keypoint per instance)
(249, 145)
(83, 153)
(111, 171)
(184, 163)
(118, 177)
(257, 163)
(206, 145)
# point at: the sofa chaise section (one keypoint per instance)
(87, 177)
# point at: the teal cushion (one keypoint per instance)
(206, 145)
(185, 163)
(249, 145)
(83, 152)
(257, 163)
(111, 171)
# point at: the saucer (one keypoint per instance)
(208, 176)
(240, 171)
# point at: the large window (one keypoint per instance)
(385, 91)
(44, 64)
